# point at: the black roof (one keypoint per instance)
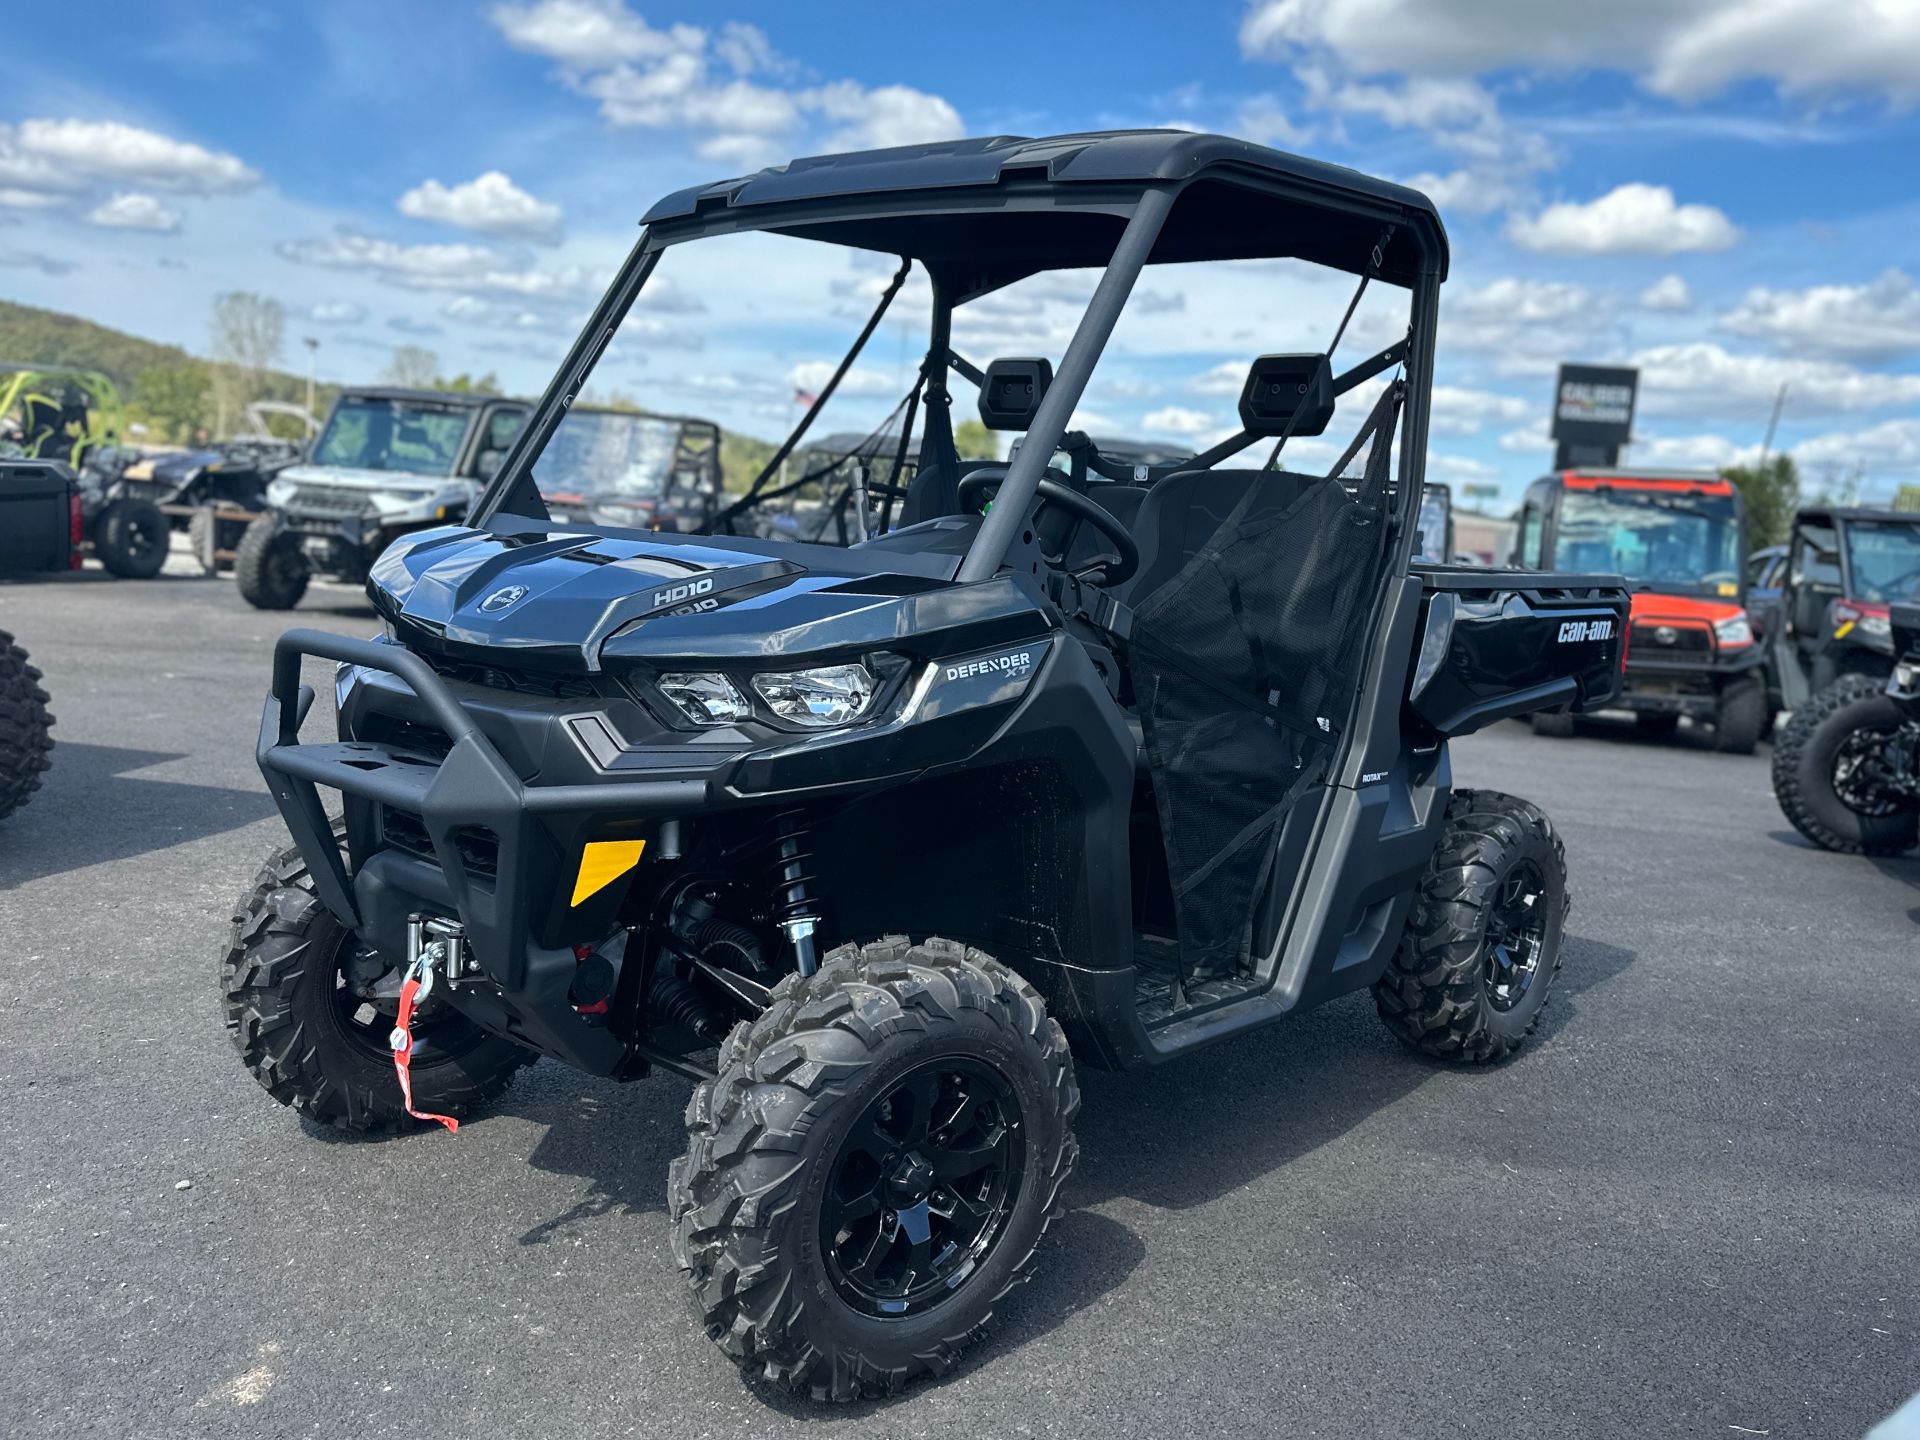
(1859, 512)
(430, 397)
(1007, 206)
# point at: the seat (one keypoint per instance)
(1180, 514)
(935, 491)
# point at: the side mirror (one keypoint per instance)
(1288, 395)
(488, 465)
(1011, 392)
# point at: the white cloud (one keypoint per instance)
(1229, 377)
(666, 79)
(1263, 121)
(1632, 219)
(353, 250)
(1686, 50)
(1179, 420)
(134, 211)
(1894, 445)
(1528, 439)
(1703, 378)
(28, 199)
(1875, 322)
(1458, 410)
(1460, 468)
(1691, 452)
(491, 204)
(62, 152)
(1668, 295)
(1470, 192)
(812, 376)
(496, 314)
(336, 312)
(1525, 324)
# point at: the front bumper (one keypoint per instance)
(472, 806)
(1689, 685)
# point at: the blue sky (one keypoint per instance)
(1724, 192)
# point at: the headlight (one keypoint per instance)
(1877, 625)
(706, 699)
(279, 492)
(819, 699)
(1733, 632)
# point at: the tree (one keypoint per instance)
(174, 397)
(1771, 491)
(247, 330)
(413, 367)
(974, 441)
(465, 384)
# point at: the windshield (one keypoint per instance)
(375, 434)
(1651, 536)
(1884, 556)
(609, 452)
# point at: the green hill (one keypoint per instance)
(46, 337)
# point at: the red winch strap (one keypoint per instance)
(402, 1042)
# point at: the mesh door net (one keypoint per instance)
(1244, 664)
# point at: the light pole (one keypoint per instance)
(313, 353)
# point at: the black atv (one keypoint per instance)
(1846, 769)
(877, 842)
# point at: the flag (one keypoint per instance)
(805, 397)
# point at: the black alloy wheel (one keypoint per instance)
(922, 1187)
(1516, 936)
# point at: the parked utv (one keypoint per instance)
(1844, 568)
(388, 463)
(75, 418)
(39, 533)
(1846, 769)
(1681, 541)
(878, 842)
(633, 469)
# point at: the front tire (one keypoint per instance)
(1832, 732)
(1740, 718)
(269, 567)
(25, 746)
(287, 980)
(131, 538)
(1482, 942)
(873, 1167)
(1557, 723)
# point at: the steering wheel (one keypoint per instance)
(1107, 570)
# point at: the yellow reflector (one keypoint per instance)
(602, 862)
(1843, 631)
(1727, 588)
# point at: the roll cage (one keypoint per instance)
(977, 215)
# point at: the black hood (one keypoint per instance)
(570, 599)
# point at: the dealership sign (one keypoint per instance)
(1593, 405)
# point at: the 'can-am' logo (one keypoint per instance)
(505, 598)
(1576, 630)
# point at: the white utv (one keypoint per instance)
(387, 463)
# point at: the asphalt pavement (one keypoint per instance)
(1688, 1209)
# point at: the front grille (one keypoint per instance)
(1662, 639)
(526, 682)
(334, 502)
(479, 847)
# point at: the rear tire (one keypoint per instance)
(763, 1224)
(26, 748)
(1558, 723)
(1804, 759)
(269, 568)
(291, 1018)
(1741, 717)
(1468, 983)
(131, 537)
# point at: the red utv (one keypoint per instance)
(1680, 540)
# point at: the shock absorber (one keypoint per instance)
(794, 909)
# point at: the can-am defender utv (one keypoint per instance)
(1680, 540)
(1845, 566)
(388, 463)
(1846, 769)
(895, 824)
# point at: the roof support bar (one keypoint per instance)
(1009, 512)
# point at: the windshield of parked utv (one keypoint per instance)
(1884, 556)
(1652, 536)
(607, 452)
(378, 434)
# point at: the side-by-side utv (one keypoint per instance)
(388, 463)
(1680, 541)
(878, 842)
(634, 470)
